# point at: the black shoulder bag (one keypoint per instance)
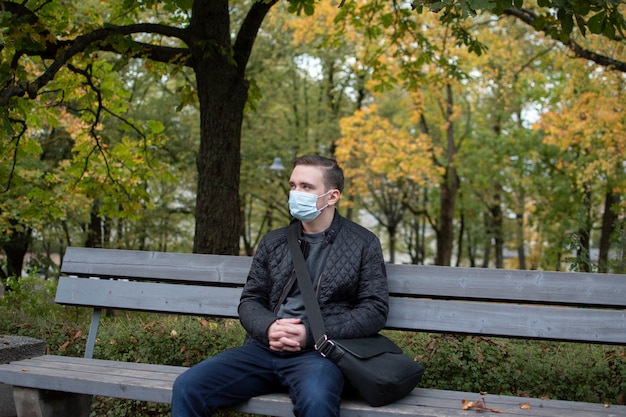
(374, 366)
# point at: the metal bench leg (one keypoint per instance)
(30, 402)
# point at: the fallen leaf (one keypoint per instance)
(607, 405)
(78, 334)
(525, 406)
(466, 404)
(479, 406)
(24, 369)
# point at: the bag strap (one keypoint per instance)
(306, 288)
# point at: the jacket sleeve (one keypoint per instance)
(254, 309)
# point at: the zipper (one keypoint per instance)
(285, 291)
(318, 286)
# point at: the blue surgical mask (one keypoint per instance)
(303, 206)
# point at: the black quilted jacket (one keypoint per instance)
(352, 291)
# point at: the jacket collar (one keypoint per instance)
(329, 234)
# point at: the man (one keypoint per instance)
(346, 265)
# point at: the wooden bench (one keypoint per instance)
(588, 308)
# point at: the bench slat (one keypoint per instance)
(18, 374)
(90, 262)
(508, 320)
(149, 296)
(447, 316)
(97, 377)
(103, 370)
(104, 362)
(571, 288)
(418, 280)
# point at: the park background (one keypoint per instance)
(472, 133)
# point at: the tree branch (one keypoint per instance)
(22, 123)
(528, 17)
(249, 30)
(61, 52)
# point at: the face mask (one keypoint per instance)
(303, 206)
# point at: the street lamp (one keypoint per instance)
(277, 166)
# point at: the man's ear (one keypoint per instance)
(335, 195)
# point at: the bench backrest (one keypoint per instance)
(564, 306)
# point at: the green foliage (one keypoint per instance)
(28, 298)
(165, 339)
(557, 18)
(555, 370)
(299, 6)
(28, 309)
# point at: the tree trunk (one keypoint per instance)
(459, 249)
(584, 232)
(609, 217)
(391, 231)
(521, 251)
(15, 247)
(488, 239)
(94, 228)
(222, 92)
(497, 227)
(449, 188)
(218, 225)
(471, 249)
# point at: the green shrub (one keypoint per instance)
(29, 310)
(166, 339)
(556, 370)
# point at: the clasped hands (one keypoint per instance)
(287, 335)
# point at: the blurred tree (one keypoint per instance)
(589, 129)
(387, 164)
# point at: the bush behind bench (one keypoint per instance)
(568, 371)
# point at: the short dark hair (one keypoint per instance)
(333, 176)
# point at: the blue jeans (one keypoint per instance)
(314, 383)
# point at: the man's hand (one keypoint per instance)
(287, 335)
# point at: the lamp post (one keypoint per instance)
(277, 166)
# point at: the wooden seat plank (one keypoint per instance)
(87, 366)
(158, 389)
(509, 404)
(70, 360)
